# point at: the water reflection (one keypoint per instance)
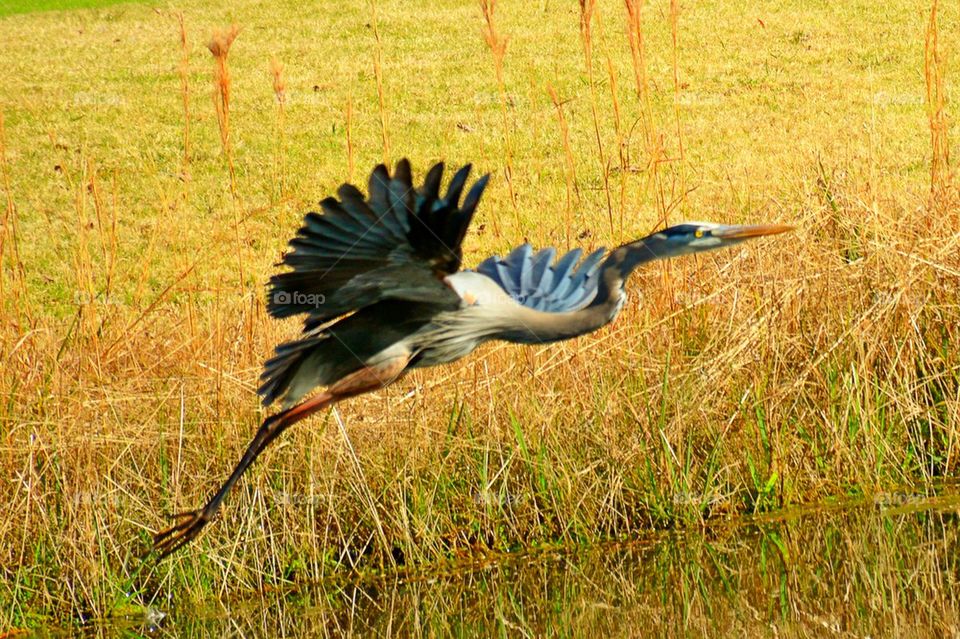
(880, 570)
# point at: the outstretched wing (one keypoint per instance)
(535, 281)
(398, 243)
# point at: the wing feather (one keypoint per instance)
(363, 259)
(354, 254)
(536, 281)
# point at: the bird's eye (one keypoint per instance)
(698, 233)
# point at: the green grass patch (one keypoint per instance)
(12, 7)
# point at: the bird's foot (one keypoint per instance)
(188, 525)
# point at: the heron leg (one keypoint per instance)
(189, 524)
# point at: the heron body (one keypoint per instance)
(378, 281)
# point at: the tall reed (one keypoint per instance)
(378, 74)
(587, 9)
(219, 46)
(936, 114)
(183, 70)
(638, 58)
(280, 93)
(10, 261)
(675, 64)
(106, 216)
(654, 144)
(622, 143)
(348, 132)
(571, 169)
(85, 293)
(497, 44)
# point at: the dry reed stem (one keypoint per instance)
(378, 74)
(106, 235)
(935, 97)
(675, 63)
(112, 249)
(679, 169)
(571, 171)
(498, 49)
(219, 46)
(348, 128)
(184, 71)
(280, 93)
(621, 143)
(639, 61)
(654, 144)
(86, 295)
(587, 9)
(9, 239)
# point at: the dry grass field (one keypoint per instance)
(149, 187)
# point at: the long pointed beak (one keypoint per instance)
(738, 232)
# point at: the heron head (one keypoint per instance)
(694, 237)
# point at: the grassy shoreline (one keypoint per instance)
(755, 576)
(132, 313)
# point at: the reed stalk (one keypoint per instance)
(587, 11)
(571, 170)
(933, 68)
(378, 74)
(280, 93)
(497, 44)
(183, 70)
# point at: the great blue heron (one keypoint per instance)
(379, 282)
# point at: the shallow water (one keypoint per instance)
(887, 568)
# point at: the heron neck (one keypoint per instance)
(621, 263)
(613, 275)
(535, 327)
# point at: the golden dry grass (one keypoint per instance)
(140, 225)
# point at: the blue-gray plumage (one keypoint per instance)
(378, 281)
(536, 282)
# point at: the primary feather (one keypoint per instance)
(396, 244)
